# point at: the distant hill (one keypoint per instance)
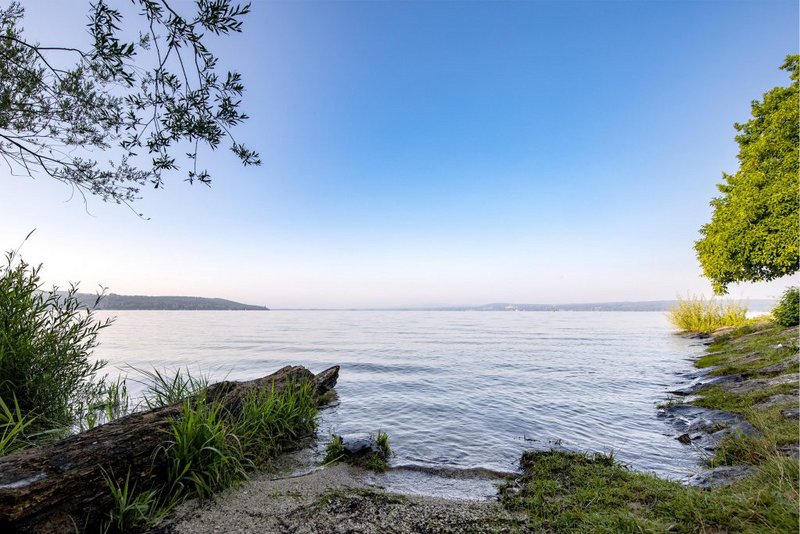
(113, 301)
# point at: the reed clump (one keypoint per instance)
(210, 447)
(700, 315)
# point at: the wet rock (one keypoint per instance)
(705, 428)
(705, 382)
(719, 476)
(696, 335)
(686, 417)
(697, 373)
(775, 400)
(361, 443)
(791, 413)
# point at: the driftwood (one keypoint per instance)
(60, 486)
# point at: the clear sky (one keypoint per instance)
(432, 153)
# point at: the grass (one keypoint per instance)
(13, 426)
(270, 421)
(132, 510)
(163, 387)
(203, 453)
(210, 447)
(572, 492)
(701, 315)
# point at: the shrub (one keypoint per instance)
(46, 340)
(696, 314)
(787, 311)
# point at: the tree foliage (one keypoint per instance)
(754, 232)
(146, 98)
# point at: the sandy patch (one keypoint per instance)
(337, 499)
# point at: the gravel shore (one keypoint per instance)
(336, 499)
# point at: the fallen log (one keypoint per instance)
(59, 487)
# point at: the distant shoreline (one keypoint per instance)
(757, 305)
(114, 302)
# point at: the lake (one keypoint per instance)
(455, 390)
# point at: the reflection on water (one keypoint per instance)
(458, 390)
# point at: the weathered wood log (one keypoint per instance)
(56, 487)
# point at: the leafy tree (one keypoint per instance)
(143, 97)
(754, 231)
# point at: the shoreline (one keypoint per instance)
(342, 498)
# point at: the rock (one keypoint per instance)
(722, 331)
(748, 386)
(697, 335)
(703, 427)
(686, 417)
(791, 413)
(361, 443)
(706, 382)
(792, 451)
(778, 368)
(719, 476)
(775, 400)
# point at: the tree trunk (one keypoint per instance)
(59, 487)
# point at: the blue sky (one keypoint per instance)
(426, 153)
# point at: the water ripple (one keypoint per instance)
(464, 389)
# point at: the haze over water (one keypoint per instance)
(453, 389)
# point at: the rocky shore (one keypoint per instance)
(759, 369)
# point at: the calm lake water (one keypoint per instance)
(453, 389)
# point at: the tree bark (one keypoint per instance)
(59, 487)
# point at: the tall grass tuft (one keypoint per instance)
(211, 448)
(132, 509)
(701, 315)
(270, 421)
(204, 454)
(46, 341)
(163, 388)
